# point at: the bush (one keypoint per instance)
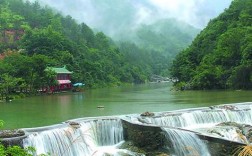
(15, 151)
(22, 95)
(180, 86)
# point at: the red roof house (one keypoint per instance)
(63, 77)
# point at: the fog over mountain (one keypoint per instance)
(116, 16)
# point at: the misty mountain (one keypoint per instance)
(150, 24)
(114, 16)
(167, 36)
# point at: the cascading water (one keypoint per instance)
(105, 132)
(86, 140)
(205, 120)
(199, 118)
(100, 137)
(226, 132)
(62, 141)
(184, 143)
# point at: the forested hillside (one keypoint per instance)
(161, 40)
(167, 36)
(35, 37)
(220, 57)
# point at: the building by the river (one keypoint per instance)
(63, 77)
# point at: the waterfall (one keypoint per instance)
(205, 120)
(199, 118)
(85, 140)
(184, 143)
(105, 132)
(103, 136)
(226, 132)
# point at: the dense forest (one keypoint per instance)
(34, 37)
(220, 57)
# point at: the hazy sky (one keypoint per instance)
(116, 15)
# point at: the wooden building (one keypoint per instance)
(63, 77)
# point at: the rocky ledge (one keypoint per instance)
(11, 133)
(12, 137)
(129, 145)
(147, 140)
(244, 131)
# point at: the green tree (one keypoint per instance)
(241, 77)
(49, 78)
(45, 41)
(38, 75)
(8, 84)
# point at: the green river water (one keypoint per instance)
(52, 109)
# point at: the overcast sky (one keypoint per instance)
(114, 15)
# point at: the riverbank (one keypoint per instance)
(18, 95)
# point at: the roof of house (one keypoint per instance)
(64, 81)
(60, 70)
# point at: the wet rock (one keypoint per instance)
(147, 114)
(157, 154)
(11, 133)
(249, 136)
(217, 149)
(147, 139)
(213, 131)
(228, 107)
(233, 124)
(212, 107)
(129, 145)
(74, 124)
(12, 137)
(245, 130)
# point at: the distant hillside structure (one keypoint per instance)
(63, 77)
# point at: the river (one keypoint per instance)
(52, 109)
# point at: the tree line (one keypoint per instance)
(220, 57)
(34, 37)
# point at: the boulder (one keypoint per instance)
(74, 124)
(147, 114)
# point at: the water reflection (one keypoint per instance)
(79, 96)
(46, 110)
